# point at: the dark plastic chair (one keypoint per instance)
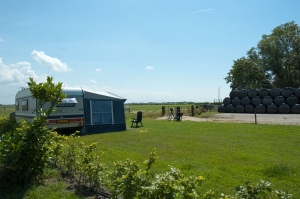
(178, 116)
(138, 119)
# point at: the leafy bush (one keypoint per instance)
(78, 160)
(7, 124)
(24, 152)
(130, 181)
(257, 191)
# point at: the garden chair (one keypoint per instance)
(138, 119)
(178, 116)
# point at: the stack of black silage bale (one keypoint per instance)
(275, 100)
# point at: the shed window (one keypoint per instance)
(17, 105)
(25, 105)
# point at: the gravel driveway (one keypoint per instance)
(284, 119)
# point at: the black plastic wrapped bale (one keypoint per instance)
(278, 100)
(226, 101)
(239, 109)
(263, 92)
(252, 93)
(292, 100)
(273, 92)
(249, 108)
(246, 100)
(221, 109)
(296, 108)
(233, 94)
(267, 100)
(297, 92)
(256, 100)
(284, 108)
(260, 108)
(272, 108)
(236, 101)
(229, 109)
(287, 91)
(242, 94)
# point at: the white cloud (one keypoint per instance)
(51, 62)
(199, 11)
(149, 68)
(98, 69)
(93, 81)
(1, 40)
(13, 77)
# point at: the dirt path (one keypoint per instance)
(284, 119)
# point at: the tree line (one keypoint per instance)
(274, 62)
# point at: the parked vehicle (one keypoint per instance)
(84, 110)
(68, 114)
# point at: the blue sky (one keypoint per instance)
(142, 50)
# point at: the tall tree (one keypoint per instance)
(247, 72)
(276, 61)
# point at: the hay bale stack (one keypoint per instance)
(256, 100)
(260, 108)
(236, 101)
(252, 93)
(226, 101)
(233, 94)
(272, 108)
(284, 108)
(246, 100)
(263, 92)
(274, 100)
(292, 100)
(249, 108)
(239, 109)
(229, 108)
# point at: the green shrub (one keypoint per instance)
(24, 152)
(128, 180)
(257, 191)
(7, 124)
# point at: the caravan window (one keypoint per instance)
(67, 102)
(17, 105)
(25, 105)
(101, 112)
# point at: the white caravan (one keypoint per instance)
(68, 114)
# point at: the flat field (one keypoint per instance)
(5, 110)
(226, 154)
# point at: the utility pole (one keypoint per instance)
(219, 94)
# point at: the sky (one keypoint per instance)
(142, 50)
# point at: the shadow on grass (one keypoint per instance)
(13, 191)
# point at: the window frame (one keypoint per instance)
(17, 107)
(24, 104)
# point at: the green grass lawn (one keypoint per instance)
(226, 154)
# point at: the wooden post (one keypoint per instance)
(193, 110)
